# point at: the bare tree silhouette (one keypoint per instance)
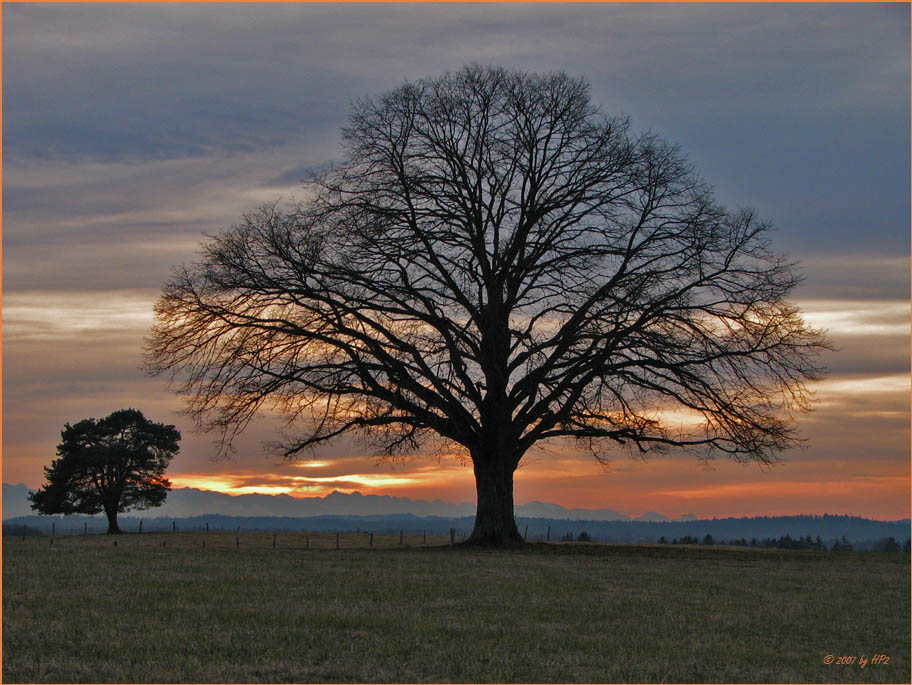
(494, 264)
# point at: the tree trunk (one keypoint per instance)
(112, 521)
(494, 522)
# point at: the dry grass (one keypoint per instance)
(85, 610)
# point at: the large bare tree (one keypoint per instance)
(495, 263)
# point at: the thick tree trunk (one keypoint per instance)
(494, 522)
(112, 522)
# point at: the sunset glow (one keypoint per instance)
(558, 472)
(227, 487)
(104, 196)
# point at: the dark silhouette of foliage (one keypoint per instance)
(842, 545)
(495, 263)
(113, 465)
(583, 537)
(887, 545)
(21, 530)
(783, 542)
(907, 547)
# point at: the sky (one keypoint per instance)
(130, 131)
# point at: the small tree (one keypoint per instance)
(888, 545)
(112, 465)
(842, 545)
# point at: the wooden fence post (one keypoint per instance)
(424, 542)
(207, 527)
(372, 541)
(400, 537)
(174, 526)
(526, 532)
(140, 526)
(237, 542)
(548, 538)
(85, 528)
(452, 536)
(53, 529)
(273, 540)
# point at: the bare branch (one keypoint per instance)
(496, 263)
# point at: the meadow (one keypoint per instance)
(220, 607)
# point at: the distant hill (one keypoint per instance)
(556, 511)
(184, 502)
(191, 509)
(861, 532)
(15, 501)
(187, 502)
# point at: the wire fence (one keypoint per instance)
(250, 539)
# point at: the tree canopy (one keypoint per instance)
(113, 465)
(495, 263)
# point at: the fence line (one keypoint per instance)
(207, 538)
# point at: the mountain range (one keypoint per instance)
(188, 502)
(188, 509)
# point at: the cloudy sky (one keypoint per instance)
(129, 131)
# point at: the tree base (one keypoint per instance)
(493, 542)
(495, 525)
(498, 531)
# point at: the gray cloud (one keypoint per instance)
(129, 130)
(800, 111)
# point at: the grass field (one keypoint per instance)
(82, 609)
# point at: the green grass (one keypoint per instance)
(81, 609)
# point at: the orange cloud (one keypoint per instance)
(779, 488)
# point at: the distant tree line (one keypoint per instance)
(582, 537)
(863, 533)
(21, 530)
(788, 542)
(877, 536)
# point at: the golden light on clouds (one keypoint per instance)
(870, 385)
(258, 490)
(858, 318)
(861, 412)
(78, 311)
(368, 479)
(204, 483)
(336, 475)
(766, 488)
(29, 315)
